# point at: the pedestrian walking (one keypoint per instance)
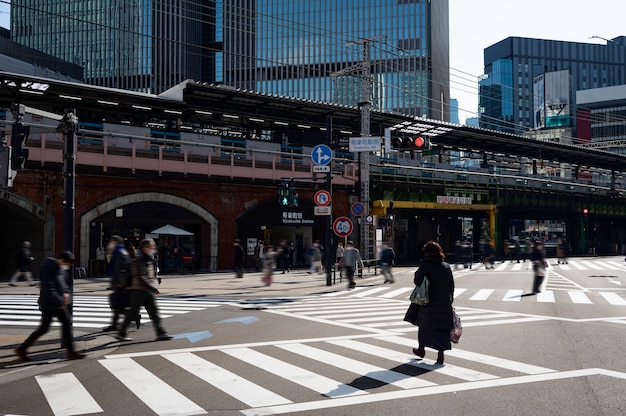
(538, 260)
(283, 253)
(339, 252)
(259, 253)
(316, 259)
(563, 250)
(119, 273)
(349, 261)
(435, 320)
(143, 292)
(54, 298)
(238, 259)
(23, 259)
(387, 261)
(269, 265)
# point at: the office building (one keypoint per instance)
(323, 50)
(148, 45)
(512, 66)
(601, 118)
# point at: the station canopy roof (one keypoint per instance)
(201, 102)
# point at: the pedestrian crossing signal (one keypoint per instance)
(287, 195)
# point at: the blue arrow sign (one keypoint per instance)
(246, 320)
(194, 336)
(321, 154)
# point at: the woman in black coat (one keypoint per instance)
(435, 319)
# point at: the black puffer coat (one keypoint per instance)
(438, 313)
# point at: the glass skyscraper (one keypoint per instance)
(320, 50)
(140, 45)
(513, 65)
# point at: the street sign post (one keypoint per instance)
(357, 209)
(343, 226)
(322, 198)
(321, 154)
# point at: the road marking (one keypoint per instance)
(365, 293)
(316, 382)
(389, 310)
(501, 267)
(513, 295)
(230, 383)
(613, 298)
(479, 358)
(397, 292)
(448, 369)
(465, 318)
(482, 294)
(428, 391)
(590, 265)
(458, 291)
(517, 266)
(385, 375)
(504, 321)
(546, 296)
(578, 296)
(577, 266)
(150, 389)
(66, 395)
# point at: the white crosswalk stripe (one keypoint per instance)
(88, 311)
(329, 367)
(558, 290)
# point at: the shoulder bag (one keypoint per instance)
(419, 296)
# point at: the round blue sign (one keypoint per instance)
(358, 209)
(321, 154)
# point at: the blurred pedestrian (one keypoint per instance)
(339, 252)
(349, 262)
(54, 298)
(283, 256)
(387, 261)
(238, 259)
(23, 259)
(119, 273)
(316, 259)
(143, 292)
(269, 265)
(563, 251)
(435, 320)
(538, 260)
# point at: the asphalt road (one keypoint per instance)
(330, 351)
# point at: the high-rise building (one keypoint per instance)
(513, 65)
(146, 45)
(324, 50)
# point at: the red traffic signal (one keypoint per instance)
(585, 211)
(411, 143)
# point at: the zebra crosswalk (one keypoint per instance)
(578, 264)
(558, 290)
(88, 311)
(278, 377)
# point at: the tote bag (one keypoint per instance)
(419, 296)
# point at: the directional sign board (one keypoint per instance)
(322, 198)
(321, 154)
(342, 226)
(357, 209)
(365, 144)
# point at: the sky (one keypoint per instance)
(476, 25)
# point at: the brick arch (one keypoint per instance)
(136, 198)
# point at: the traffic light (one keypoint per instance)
(283, 194)
(19, 154)
(287, 195)
(411, 143)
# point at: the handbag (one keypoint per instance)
(412, 313)
(419, 296)
(119, 299)
(457, 327)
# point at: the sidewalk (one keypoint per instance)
(222, 285)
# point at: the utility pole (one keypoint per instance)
(67, 126)
(364, 68)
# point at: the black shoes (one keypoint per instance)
(21, 353)
(75, 355)
(122, 337)
(164, 337)
(110, 328)
(138, 320)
